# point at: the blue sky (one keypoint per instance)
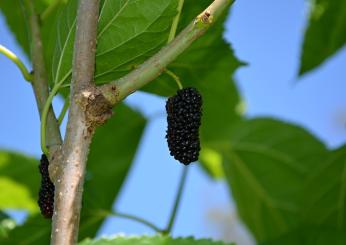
(267, 35)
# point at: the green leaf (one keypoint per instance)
(156, 240)
(35, 231)
(307, 235)
(112, 152)
(14, 13)
(207, 65)
(18, 188)
(326, 205)
(211, 162)
(49, 36)
(6, 224)
(266, 163)
(17, 18)
(128, 33)
(325, 35)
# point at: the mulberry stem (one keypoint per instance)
(175, 77)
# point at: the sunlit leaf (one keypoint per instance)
(310, 235)
(325, 35)
(326, 205)
(129, 31)
(266, 163)
(18, 188)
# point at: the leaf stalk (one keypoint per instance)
(44, 115)
(14, 58)
(63, 111)
(131, 217)
(175, 21)
(50, 9)
(175, 77)
(177, 201)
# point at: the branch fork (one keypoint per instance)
(98, 110)
(117, 90)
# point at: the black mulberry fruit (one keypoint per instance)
(184, 112)
(46, 193)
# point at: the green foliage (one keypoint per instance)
(261, 154)
(307, 235)
(325, 35)
(36, 230)
(19, 189)
(108, 164)
(14, 12)
(128, 33)
(157, 240)
(17, 14)
(6, 224)
(287, 186)
(326, 204)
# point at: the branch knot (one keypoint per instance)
(96, 107)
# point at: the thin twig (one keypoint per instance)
(177, 200)
(117, 90)
(14, 58)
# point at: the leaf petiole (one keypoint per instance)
(9, 54)
(175, 21)
(177, 200)
(175, 77)
(63, 111)
(44, 116)
(130, 217)
(51, 8)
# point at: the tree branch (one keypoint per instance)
(69, 177)
(117, 90)
(40, 81)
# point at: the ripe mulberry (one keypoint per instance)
(46, 193)
(184, 112)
